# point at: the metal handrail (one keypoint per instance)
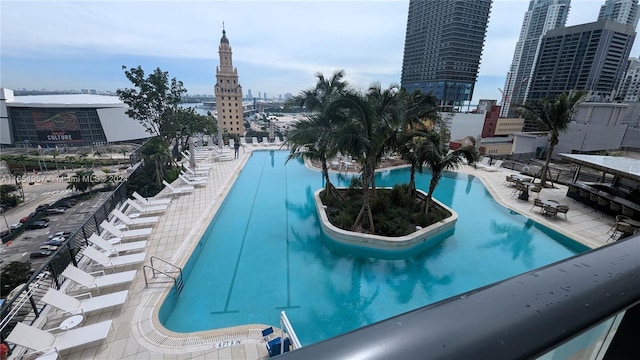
(177, 280)
(146, 283)
(165, 262)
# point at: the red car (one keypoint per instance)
(27, 218)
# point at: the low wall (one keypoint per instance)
(389, 247)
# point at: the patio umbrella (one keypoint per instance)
(271, 131)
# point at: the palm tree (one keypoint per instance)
(433, 152)
(55, 154)
(316, 98)
(313, 138)
(420, 115)
(82, 181)
(367, 124)
(554, 116)
(70, 159)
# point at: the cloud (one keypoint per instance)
(278, 45)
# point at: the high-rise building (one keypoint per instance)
(622, 11)
(443, 46)
(542, 16)
(629, 89)
(228, 92)
(590, 57)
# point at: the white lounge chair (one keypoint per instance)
(150, 202)
(147, 209)
(192, 182)
(179, 189)
(40, 340)
(192, 177)
(495, 167)
(199, 170)
(89, 281)
(74, 305)
(118, 248)
(265, 141)
(125, 234)
(149, 220)
(254, 141)
(113, 262)
(483, 163)
(187, 154)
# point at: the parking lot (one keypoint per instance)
(47, 191)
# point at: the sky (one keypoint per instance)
(278, 46)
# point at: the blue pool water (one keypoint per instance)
(264, 252)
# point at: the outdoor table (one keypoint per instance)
(71, 322)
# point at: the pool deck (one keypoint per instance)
(136, 332)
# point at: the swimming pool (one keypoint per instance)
(264, 252)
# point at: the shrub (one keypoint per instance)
(14, 274)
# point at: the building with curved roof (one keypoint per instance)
(65, 120)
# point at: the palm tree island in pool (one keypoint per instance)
(367, 127)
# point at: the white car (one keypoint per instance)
(60, 234)
(15, 226)
(48, 247)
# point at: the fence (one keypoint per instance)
(24, 305)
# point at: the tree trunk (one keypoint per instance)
(366, 208)
(412, 181)
(432, 187)
(545, 168)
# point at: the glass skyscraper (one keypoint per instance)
(443, 47)
(542, 16)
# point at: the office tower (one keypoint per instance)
(590, 57)
(443, 46)
(228, 92)
(542, 16)
(622, 11)
(249, 95)
(629, 90)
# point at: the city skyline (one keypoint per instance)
(82, 45)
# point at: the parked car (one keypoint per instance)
(39, 224)
(66, 205)
(28, 217)
(42, 207)
(48, 247)
(15, 226)
(55, 241)
(60, 234)
(40, 254)
(55, 211)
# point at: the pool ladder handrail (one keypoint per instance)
(177, 280)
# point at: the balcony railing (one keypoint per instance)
(523, 317)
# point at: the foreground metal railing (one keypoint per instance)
(23, 306)
(519, 318)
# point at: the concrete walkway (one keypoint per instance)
(137, 333)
